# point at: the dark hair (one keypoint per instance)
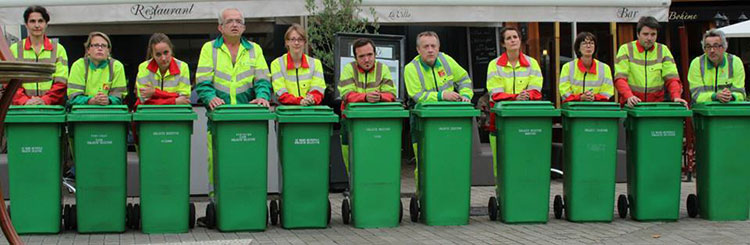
(155, 39)
(583, 36)
(506, 29)
(35, 9)
(362, 42)
(649, 21)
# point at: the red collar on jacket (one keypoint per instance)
(582, 68)
(173, 68)
(290, 62)
(47, 43)
(503, 61)
(363, 70)
(641, 48)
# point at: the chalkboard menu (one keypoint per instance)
(483, 43)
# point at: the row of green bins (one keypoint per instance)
(34, 160)
(304, 140)
(590, 132)
(375, 156)
(654, 151)
(723, 189)
(99, 151)
(444, 141)
(524, 146)
(164, 153)
(240, 158)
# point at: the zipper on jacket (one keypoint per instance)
(296, 74)
(434, 79)
(645, 74)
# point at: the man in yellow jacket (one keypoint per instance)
(231, 70)
(434, 76)
(716, 75)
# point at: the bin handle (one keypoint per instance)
(162, 107)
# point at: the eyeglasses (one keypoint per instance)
(234, 21)
(715, 46)
(294, 40)
(99, 45)
(588, 43)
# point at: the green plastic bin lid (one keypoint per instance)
(593, 110)
(375, 110)
(445, 109)
(99, 113)
(164, 113)
(36, 114)
(305, 114)
(525, 109)
(241, 112)
(658, 109)
(722, 109)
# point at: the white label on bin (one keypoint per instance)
(530, 131)
(597, 147)
(378, 129)
(307, 141)
(173, 133)
(671, 133)
(243, 137)
(166, 141)
(99, 139)
(450, 128)
(595, 130)
(32, 149)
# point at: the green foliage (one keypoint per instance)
(328, 17)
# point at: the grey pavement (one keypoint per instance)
(479, 231)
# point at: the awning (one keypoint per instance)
(119, 11)
(741, 29)
(493, 11)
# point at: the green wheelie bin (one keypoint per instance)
(34, 160)
(100, 155)
(375, 153)
(164, 133)
(590, 132)
(654, 133)
(722, 170)
(444, 132)
(240, 155)
(524, 148)
(304, 140)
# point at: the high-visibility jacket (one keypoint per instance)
(51, 91)
(644, 73)
(355, 83)
(506, 82)
(234, 82)
(575, 79)
(706, 79)
(425, 83)
(292, 84)
(87, 80)
(175, 82)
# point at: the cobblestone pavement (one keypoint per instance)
(480, 230)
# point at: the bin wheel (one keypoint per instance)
(210, 215)
(329, 212)
(558, 206)
(414, 209)
(622, 206)
(492, 208)
(274, 210)
(400, 211)
(73, 217)
(345, 210)
(692, 206)
(136, 217)
(191, 216)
